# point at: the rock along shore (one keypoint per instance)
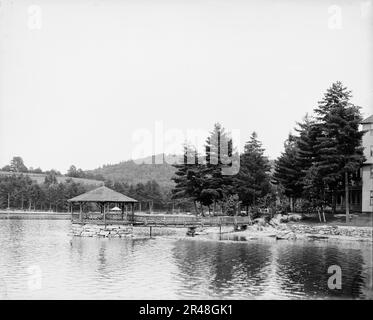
(292, 228)
(290, 231)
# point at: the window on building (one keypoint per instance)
(371, 171)
(371, 151)
(371, 197)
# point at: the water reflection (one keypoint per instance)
(307, 267)
(221, 269)
(89, 268)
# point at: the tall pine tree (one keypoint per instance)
(219, 150)
(340, 153)
(288, 173)
(313, 189)
(188, 178)
(252, 181)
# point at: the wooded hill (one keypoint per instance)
(138, 171)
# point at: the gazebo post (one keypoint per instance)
(104, 205)
(80, 212)
(122, 207)
(133, 212)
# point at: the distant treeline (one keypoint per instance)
(17, 166)
(129, 171)
(19, 191)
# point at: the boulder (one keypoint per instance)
(279, 218)
(294, 217)
(259, 221)
(87, 234)
(274, 223)
(287, 235)
(191, 231)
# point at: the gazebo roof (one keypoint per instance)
(368, 120)
(102, 194)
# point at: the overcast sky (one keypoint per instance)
(79, 80)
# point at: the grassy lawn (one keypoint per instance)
(358, 220)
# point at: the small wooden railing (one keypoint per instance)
(162, 220)
(191, 221)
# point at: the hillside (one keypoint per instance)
(140, 170)
(39, 178)
(143, 170)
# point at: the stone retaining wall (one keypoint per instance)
(347, 231)
(94, 230)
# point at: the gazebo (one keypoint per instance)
(103, 197)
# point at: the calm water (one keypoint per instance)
(39, 259)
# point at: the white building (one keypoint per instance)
(367, 169)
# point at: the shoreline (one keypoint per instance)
(34, 215)
(285, 232)
(362, 235)
(299, 231)
(296, 230)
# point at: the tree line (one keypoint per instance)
(17, 165)
(207, 183)
(323, 156)
(19, 191)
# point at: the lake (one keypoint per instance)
(40, 260)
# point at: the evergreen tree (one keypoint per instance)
(287, 172)
(217, 186)
(140, 192)
(188, 178)
(153, 194)
(313, 190)
(340, 153)
(252, 181)
(306, 143)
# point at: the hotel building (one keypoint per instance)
(367, 169)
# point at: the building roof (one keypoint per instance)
(368, 120)
(102, 194)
